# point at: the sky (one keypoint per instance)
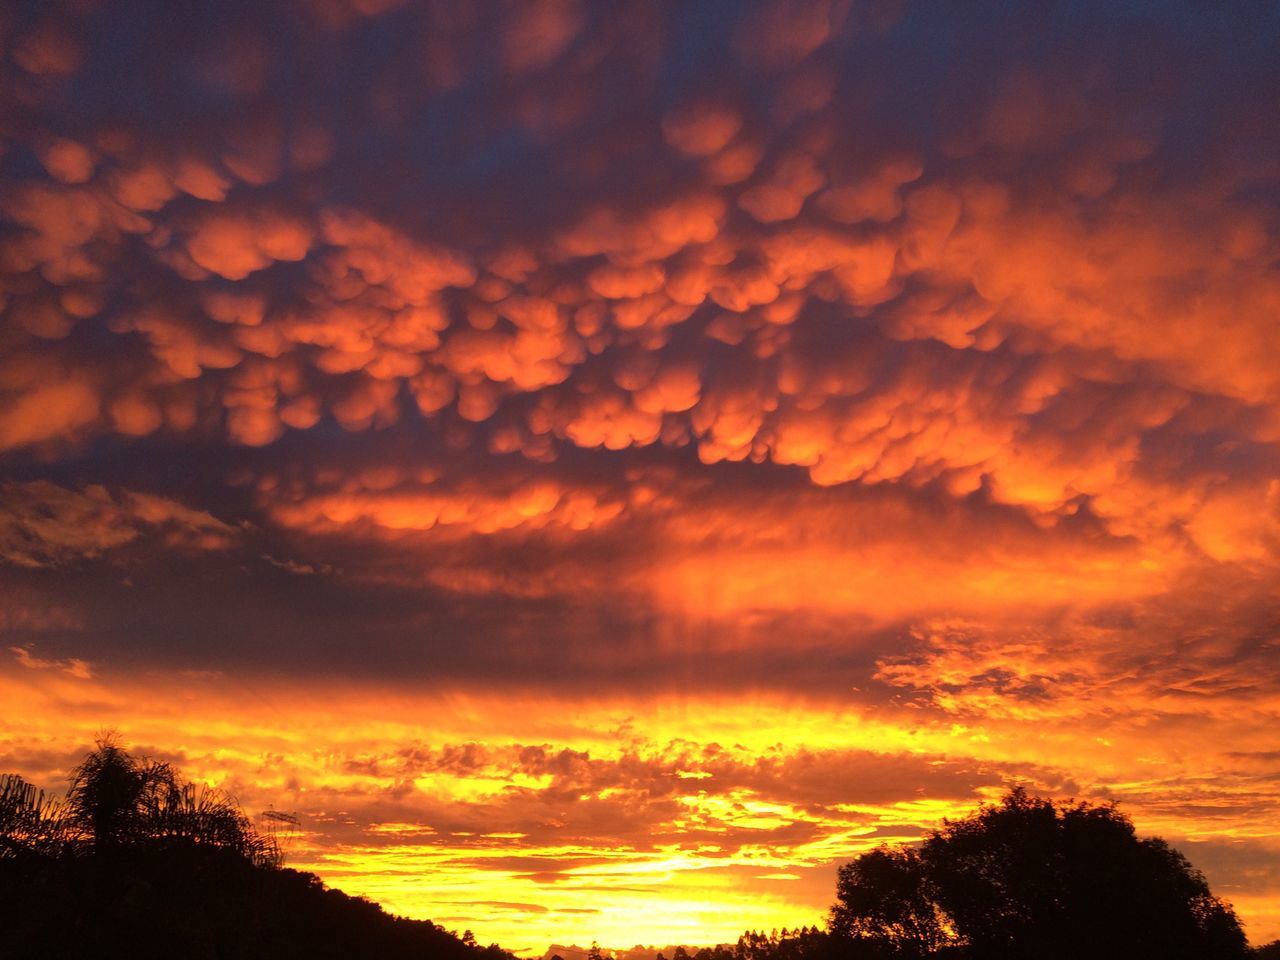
(605, 464)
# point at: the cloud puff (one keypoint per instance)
(235, 246)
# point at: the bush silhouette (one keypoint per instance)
(1032, 879)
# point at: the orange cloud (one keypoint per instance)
(701, 128)
(43, 525)
(679, 415)
(73, 667)
(236, 246)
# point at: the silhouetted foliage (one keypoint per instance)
(138, 863)
(803, 943)
(200, 904)
(117, 802)
(885, 899)
(30, 822)
(1032, 879)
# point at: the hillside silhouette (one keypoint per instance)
(136, 862)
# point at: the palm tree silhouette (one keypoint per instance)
(30, 821)
(116, 802)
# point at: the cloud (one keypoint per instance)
(1020, 286)
(73, 667)
(44, 525)
(234, 247)
(915, 361)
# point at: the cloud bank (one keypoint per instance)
(798, 360)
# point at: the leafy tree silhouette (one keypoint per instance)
(1032, 879)
(884, 900)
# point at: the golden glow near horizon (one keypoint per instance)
(628, 819)
(605, 468)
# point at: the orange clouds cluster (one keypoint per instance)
(899, 381)
(955, 319)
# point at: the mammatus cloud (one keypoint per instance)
(1016, 275)
(795, 363)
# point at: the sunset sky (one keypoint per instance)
(605, 464)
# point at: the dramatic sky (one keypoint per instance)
(604, 463)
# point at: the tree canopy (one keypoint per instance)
(1030, 878)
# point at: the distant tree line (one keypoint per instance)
(801, 943)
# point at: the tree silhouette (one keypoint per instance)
(30, 822)
(137, 862)
(1031, 878)
(885, 900)
(116, 802)
(104, 796)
